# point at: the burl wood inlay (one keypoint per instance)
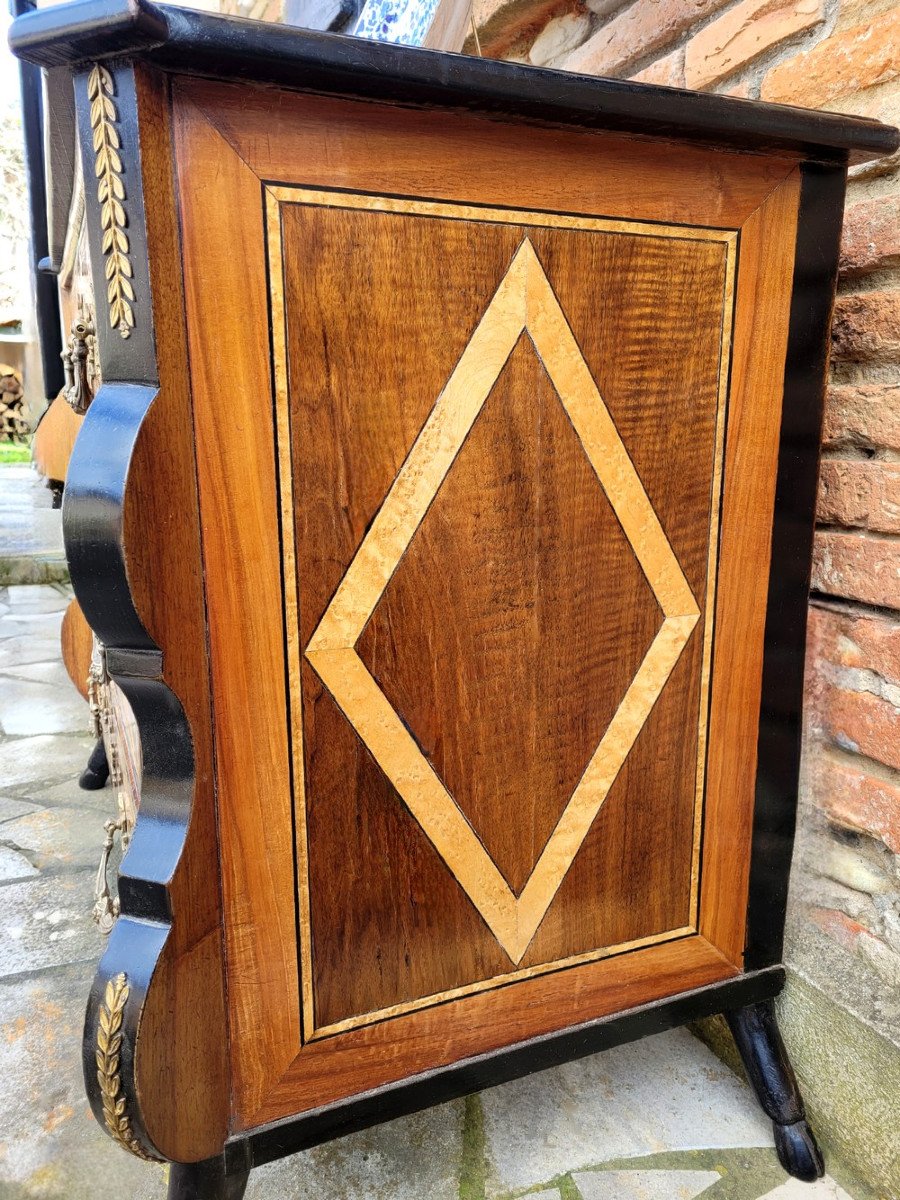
(523, 315)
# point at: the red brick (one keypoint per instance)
(865, 494)
(502, 24)
(841, 65)
(861, 722)
(637, 32)
(858, 801)
(862, 567)
(668, 71)
(866, 641)
(740, 89)
(839, 927)
(558, 36)
(866, 326)
(865, 415)
(871, 235)
(742, 34)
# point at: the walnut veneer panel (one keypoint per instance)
(464, 612)
(317, 140)
(518, 615)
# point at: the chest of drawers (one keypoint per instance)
(446, 512)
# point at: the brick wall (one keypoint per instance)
(843, 55)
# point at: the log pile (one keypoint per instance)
(13, 426)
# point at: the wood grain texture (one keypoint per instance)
(364, 1058)
(229, 352)
(624, 884)
(318, 141)
(621, 624)
(54, 439)
(76, 643)
(181, 1066)
(765, 275)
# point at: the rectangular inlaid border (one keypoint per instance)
(274, 197)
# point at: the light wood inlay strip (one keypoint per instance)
(711, 569)
(486, 985)
(524, 300)
(429, 461)
(509, 216)
(573, 381)
(291, 598)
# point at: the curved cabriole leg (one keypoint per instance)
(209, 1180)
(96, 773)
(772, 1078)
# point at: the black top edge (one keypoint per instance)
(232, 48)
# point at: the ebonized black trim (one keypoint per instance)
(758, 1039)
(231, 48)
(211, 1179)
(46, 295)
(512, 1062)
(93, 507)
(93, 530)
(133, 948)
(780, 727)
(130, 359)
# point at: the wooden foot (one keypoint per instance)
(208, 1180)
(772, 1078)
(96, 773)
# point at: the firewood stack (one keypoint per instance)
(13, 426)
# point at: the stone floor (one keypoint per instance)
(31, 549)
(661, 1119)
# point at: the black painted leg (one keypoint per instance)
(772, 1078)
(208, 1180)
(96, 773)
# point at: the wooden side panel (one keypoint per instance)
(510, 632)
(76, 644)
(500, 335)
(231, 382)
(181, 1065)
(317, 140)
(332, 1068)
(765, 274)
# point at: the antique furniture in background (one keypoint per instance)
(446, 513)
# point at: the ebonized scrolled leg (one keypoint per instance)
(772, 1078)
(207, 1180)
(96, 773)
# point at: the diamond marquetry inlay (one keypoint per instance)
(524, 301)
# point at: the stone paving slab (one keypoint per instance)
(28, 707)
(50, 1145)
(66, 793)
(644, 1185)
(415, 1158)
(14, 865)
(45, 922)
(668, 1091)
(28, 765)
(40, 625)
(34, 598)
(53, 673)
(31, 544)
(11, 808)
(826, 1189)
(57, 839)
(15, 651)
(660, 1119)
